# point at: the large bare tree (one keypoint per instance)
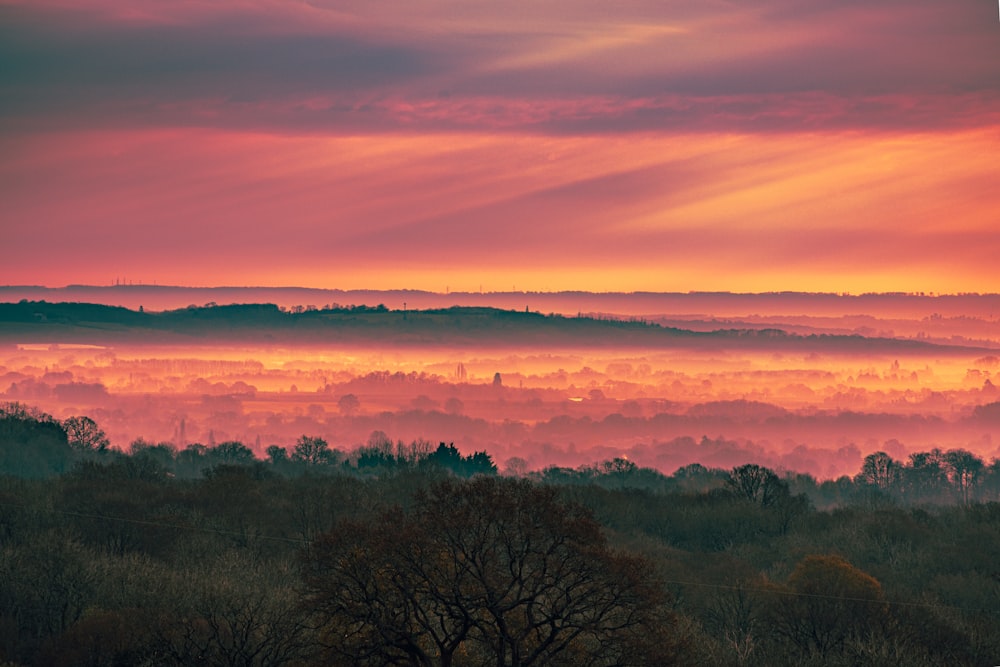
(487, 572)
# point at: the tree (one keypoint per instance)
(480, 463)
(964, 468)
(695, 477)
(162, 455)
(348, 404)
(756, 483)
(312, 451)
(192, 460)
(85, 435)
(445, 456)
(925, 477)
(515, 467)
(46, 583)
(618, 468)
(827, 602)
(733, 614)
(879, 470)
(250, 620)
(276, 455)
(32, 444)
(378, 453)
(231, 453)
(449, 458)
(487, 572)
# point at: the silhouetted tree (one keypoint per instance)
(449, 458)
(148, 455)
(756, 483)
(515, 467)
(925, 477)
(488, 572)
(879, 470)
(964, 469)
(32, 444)
(348, 404)
(697, 478)
(84, 435)
(618, 469)
(312, 451)
(231, 452)
(276, 455)
(192, 460)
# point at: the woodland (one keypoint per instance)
(415, 554)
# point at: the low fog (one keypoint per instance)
(802, 411)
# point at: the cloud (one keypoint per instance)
(555, 67)
(648, 145)
(827, 212)
(167, 71)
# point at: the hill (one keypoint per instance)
(40, 322)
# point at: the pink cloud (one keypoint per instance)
(830, 212)
(678, 145)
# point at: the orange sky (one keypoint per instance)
(558, 145)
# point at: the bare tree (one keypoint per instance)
(827, 602)
(242, 614)
(497, 571)
(757, 484)
(311, 451)
(964, 469)
(879, 470)
(85, 435)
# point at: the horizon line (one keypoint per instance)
(131, 286)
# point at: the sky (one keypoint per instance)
(463, 145)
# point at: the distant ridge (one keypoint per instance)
(715, 304)
(41, 322)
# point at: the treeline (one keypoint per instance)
(34, 444)
(936, 477)
(124, 559)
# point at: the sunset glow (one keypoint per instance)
(461, 146)
(465, 332)
(491, 155)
